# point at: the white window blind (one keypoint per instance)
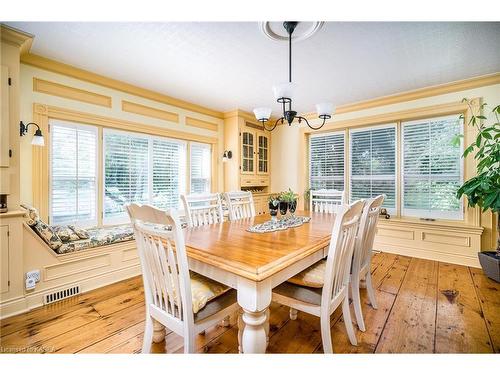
(373, 164)
(169, 172)
(326, 161)
(126, 166)
(432, 168)
(141, 169)
(73, 174)
(201, 167)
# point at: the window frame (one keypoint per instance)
(396, 126)
(72, 124)
(325, 134)
(428, 214)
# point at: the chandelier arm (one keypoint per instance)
(290, 56)
(274, 126)
(312, 127)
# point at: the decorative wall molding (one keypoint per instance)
(147, 111)
(16, 37)
(84, 75)
(68, 92)
(190, 121)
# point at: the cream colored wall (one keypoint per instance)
(29, 97)
(286, 140)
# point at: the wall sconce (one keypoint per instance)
(37, 137)
(226, 156)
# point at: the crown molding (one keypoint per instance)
(84, 75)
(426, 92)
(16, 37)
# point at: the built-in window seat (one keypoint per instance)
(64, 239)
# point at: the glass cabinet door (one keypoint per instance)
(247, 152)
(263, 153)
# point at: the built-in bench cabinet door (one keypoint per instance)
(4, 264)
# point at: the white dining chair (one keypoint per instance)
(202, 209)
(240, 205)
(186, 303)
(327, 201)
(361, 264)
(330, 278)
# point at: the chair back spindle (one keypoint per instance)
(202, 209)
(327, 201)
(240, 205)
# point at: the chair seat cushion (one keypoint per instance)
(204, 290)
(217, 304)
(313, 277)
(300, 293)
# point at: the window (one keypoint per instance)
(201, 168)
(141, 169)
(326, 168)
(373, 164)
(73, 174)
(432, 168)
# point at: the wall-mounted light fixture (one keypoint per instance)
(37, 137)
(226, 156)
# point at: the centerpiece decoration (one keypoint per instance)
(285, 201)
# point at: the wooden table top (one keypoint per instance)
(257, 256)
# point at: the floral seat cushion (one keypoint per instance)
(204, 290)
(98, 237)
(313, 277)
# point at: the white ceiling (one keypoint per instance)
(225, 66)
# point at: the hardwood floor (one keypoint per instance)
(424, 307)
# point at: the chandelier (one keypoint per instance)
(283, 92)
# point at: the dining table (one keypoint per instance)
(255, 263)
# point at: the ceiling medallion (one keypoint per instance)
(283, 93)
(305, 30)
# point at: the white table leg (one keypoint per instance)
(254, 298)
(158, 331)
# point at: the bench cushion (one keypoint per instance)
(99, 237)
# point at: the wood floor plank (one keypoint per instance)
(80, 338)
(488, 292)
(53, 311)
(383, 268)
(119, 302)
(410, 327)
(460, 327)
(116, 340)
(37, 335)
(392, 280)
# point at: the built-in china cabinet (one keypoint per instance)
(249, 167)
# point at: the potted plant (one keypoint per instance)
(483, 190)
(274, 204)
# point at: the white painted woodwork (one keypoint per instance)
(327, 201)
(202, 209)
(336, 280)
(167, 286)
(363, 256)
(240, 205)
(4, 118)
